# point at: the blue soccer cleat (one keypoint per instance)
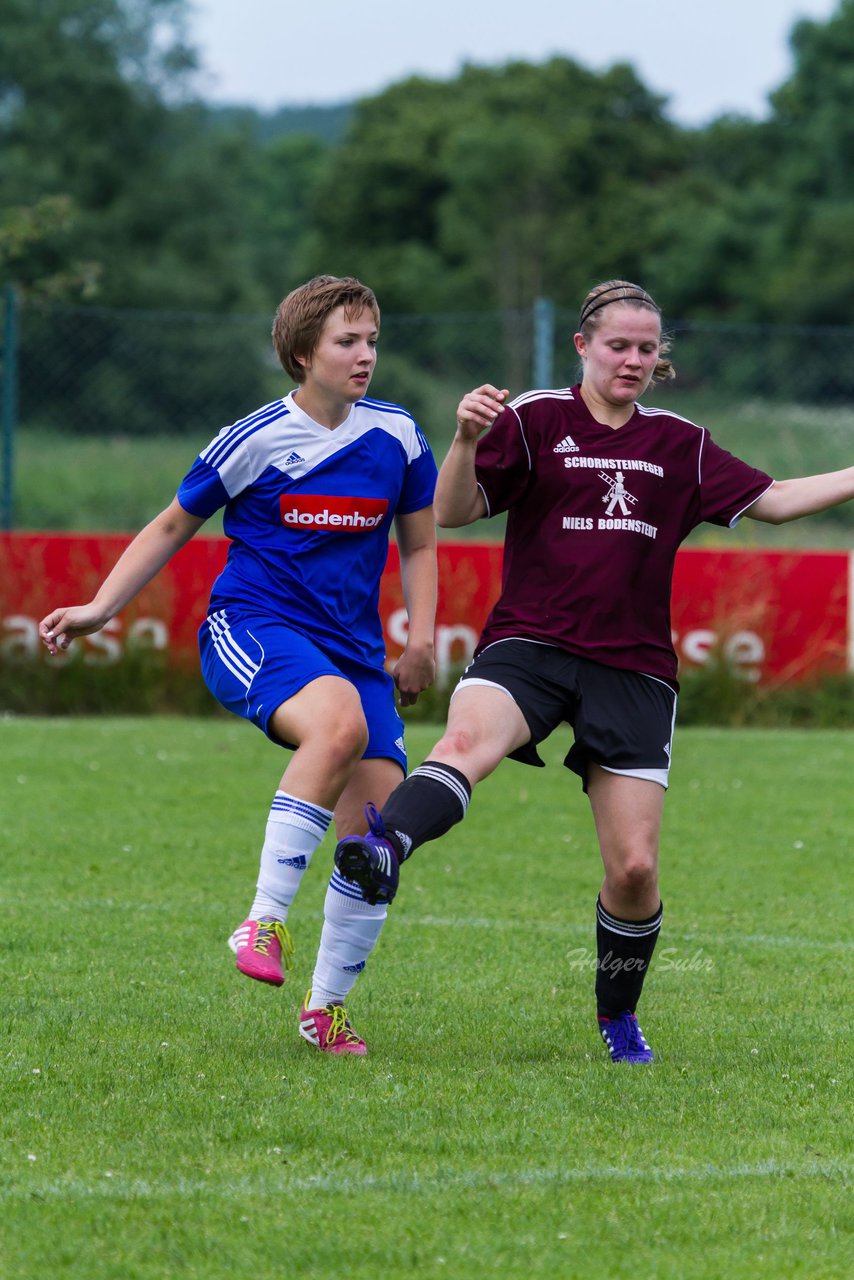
(370, 861)
(624, 1039)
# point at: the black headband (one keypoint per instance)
(602, 300)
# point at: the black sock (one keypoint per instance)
(425, 805)
(624, 949)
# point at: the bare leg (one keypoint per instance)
(484, 725)
(371, 780)
(325, 723)
(627, 813)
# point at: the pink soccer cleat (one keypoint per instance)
(329, 1030)
(263, 950)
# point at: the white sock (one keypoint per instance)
(351, 928)
(294, 830)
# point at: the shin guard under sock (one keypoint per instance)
(425, 805)
(624, 949)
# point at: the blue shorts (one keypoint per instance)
(253, 664)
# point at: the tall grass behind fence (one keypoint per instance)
(99, 398)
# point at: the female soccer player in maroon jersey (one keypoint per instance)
(600, 492)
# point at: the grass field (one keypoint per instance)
(161, 1119)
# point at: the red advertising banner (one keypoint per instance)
(778, 616)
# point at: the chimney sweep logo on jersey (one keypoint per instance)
(325, 511)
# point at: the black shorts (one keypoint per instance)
(621, 720)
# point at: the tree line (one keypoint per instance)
(119, 187)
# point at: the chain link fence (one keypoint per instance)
(780, 395)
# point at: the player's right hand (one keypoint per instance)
(60, 627)
(478, 410)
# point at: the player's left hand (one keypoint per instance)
(414, 671)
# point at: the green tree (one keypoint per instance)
(812, 279)
(96, 122)
(278, 202)
(504, 184)
(33, 250)
(81, 83)
(116, 189)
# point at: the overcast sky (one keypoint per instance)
(706, 58)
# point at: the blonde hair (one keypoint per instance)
(300, 316)
(628, 294)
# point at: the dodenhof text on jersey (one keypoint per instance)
(326, 511)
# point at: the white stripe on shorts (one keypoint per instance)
(647, 775)
(241, 666)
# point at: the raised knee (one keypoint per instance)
(458, 743)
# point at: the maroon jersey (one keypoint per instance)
(595, 517)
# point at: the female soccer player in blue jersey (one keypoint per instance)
(599, 493)
(310, 487)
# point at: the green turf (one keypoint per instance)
(161, 1119)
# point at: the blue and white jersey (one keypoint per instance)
(309, 511)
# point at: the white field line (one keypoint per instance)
(555, 927)
(496, 925)
(112, 1186)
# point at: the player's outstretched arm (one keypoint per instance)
(458, 499)
(150, 550)
(803, 496)
(415, 670)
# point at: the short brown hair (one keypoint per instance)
(301, 315)
(628, 294)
